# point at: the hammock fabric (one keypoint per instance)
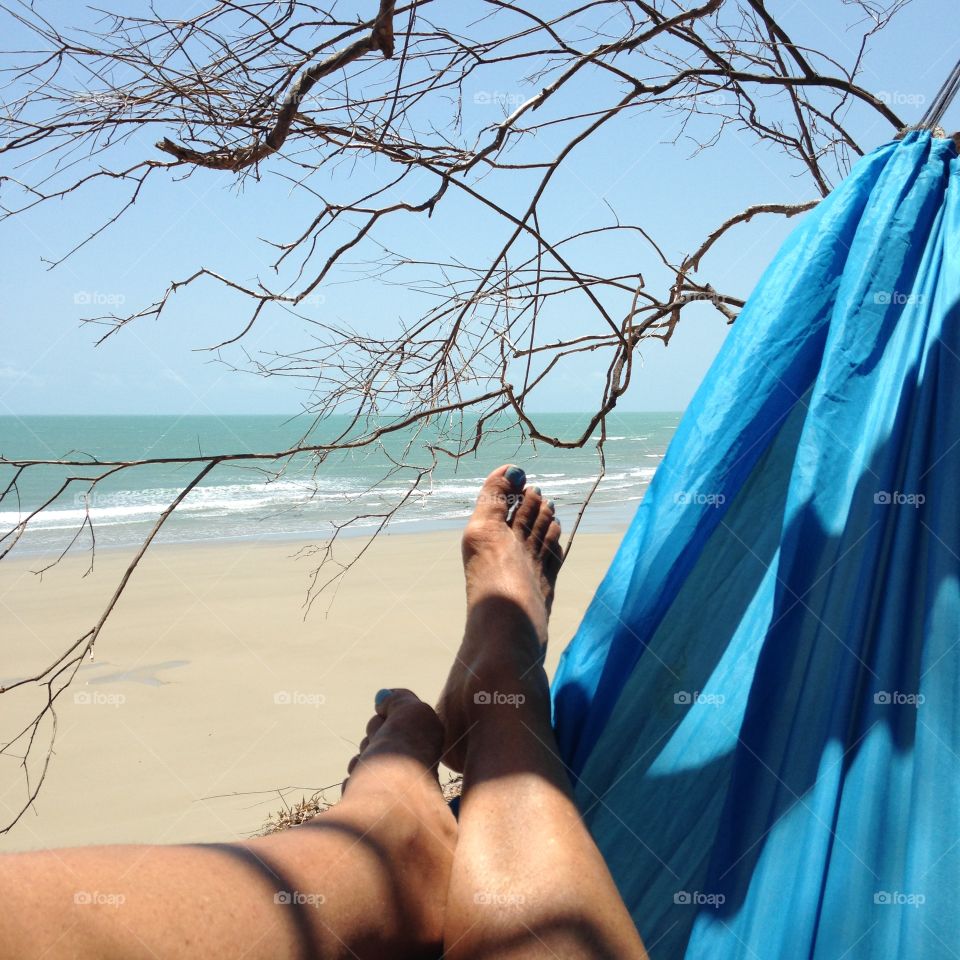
(761, 709)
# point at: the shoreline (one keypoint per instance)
(210, 690)
(603, 517)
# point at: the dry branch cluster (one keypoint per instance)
(376, 116)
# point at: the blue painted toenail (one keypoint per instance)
(516, 477)
(551, 505)
(381, 696)
(536, 490)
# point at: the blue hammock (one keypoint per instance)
(761, 709)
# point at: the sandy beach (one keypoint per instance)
(210, 690)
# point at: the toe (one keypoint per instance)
(389, 701)
(527, 512)
(552, 550)
(405, 710)
(404, 725)
(498, 493)
(541, 522)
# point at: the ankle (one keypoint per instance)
(388, 777)
(508, 693)
(500, 631)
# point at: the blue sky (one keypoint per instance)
(49, 364)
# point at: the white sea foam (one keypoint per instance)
(264, 498)
(243, 503)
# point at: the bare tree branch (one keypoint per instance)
(487, 108)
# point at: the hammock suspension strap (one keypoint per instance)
(943, 99)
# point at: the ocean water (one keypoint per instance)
(302, 497)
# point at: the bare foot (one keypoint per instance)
(511, 562)
(392, 790)
(405, 730)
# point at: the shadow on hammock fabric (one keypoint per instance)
(761, 709)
